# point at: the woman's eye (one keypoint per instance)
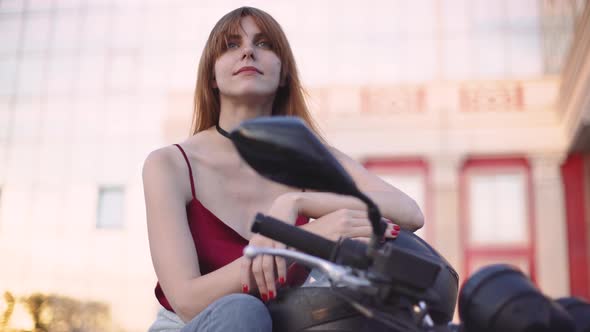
(263, 43)
(232, 45)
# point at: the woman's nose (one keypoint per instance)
(247, 52)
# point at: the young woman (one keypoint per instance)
(201, 197)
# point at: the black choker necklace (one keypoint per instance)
(222, 132)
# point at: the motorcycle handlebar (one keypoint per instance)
(336, 273)
(292, 236)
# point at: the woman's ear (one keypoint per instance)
(214, 83)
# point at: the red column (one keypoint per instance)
(572, 172)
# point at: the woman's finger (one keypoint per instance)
(268, 270)
(392, 230)
(359, 221)
(358, 213)
(281, 268)
(258, 272)
(245, 275)
(362, 231)
(362, 239)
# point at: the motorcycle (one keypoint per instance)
(401, 284)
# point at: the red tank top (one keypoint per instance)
(218, 244)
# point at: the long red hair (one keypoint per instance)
(289, 99)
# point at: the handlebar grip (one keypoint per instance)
(293, 236)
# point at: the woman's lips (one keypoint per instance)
(248, 69)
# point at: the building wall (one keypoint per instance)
(448, 132)
(89, 88)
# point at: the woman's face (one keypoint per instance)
(249, 67)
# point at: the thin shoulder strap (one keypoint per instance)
(190, 171)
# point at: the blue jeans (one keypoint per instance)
(235, 312)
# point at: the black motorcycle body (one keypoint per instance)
(320, 309)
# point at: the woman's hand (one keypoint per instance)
(348, 223)
(264, 270)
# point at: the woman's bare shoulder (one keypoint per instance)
(171, 156)
(162, 158)
(170, 159)
(162, 168)
(165, 169)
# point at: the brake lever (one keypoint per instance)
(341, 275)
(337, 274)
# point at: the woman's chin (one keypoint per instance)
(253, 94)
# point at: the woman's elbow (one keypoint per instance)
(183, 304)
(416, 220)
(184, 308)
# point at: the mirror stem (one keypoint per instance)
(375, 218)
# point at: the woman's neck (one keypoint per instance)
(233, 113)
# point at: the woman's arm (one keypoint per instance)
(337, 216)
(319, 204)
(336, 213)
(392, 202)
(171, 245)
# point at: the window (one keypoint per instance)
(10, 34)
(11, 6)
(411, 177)
(95, 28)
(492, 39)
(66, 33)
(61, 75)
(497, 204)
(36, 32)
(8, 68)
(110, 207)
(497, 225)
(31, 76)
(91, 74)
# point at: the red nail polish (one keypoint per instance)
(396, 227)
(244, 288)
(264, 297)
(282, 280)
(394, 233)
(271, 295)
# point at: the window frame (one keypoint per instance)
(102, 189)
(473, 253)
(414, 165)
